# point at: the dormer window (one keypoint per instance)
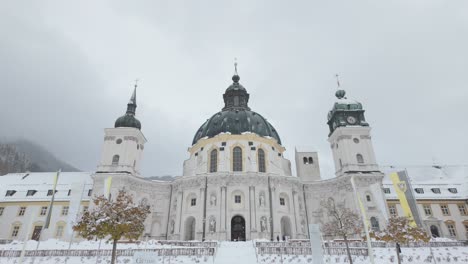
(453, 190)
(386, 190)
(10, 192)
(31, 192)
(50, 192)
(419, 190)
(436, 190)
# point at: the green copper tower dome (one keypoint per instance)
(129, 119)
(236, 117)
(345, 112)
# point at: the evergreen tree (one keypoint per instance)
(342, 222)
(113, 219)
(400, 230)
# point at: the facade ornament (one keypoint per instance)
(212, 224)
(262, 200)
(213, 200)
(263, 224)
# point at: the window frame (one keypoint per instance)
(237, 164)
(213, 161)
(193, 202)
(427, 209)
(22, 211)
(359, 158)
(442, 206)
(43, 211)
(462, 209)
(451, 228)
(282, 201)
(65, 210)
(237, 199)
(16, 228)
(261, 160)
(60, 228)
(115, 160)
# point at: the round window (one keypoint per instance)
(119, 141)
(356, 140)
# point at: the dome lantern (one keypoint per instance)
(236, 117)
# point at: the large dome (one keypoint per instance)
(236, 117)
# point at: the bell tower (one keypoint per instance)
(123, 145)
(350, 137)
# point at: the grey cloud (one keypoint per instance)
(67, 70)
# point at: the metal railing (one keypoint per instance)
(195, 251)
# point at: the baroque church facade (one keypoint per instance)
(236, 183)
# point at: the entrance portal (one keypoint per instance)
(238, 228)
(190, 228)
(434, 231)
(36, 235)
(285, 228)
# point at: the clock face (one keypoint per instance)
(351, 120)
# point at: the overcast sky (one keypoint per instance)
(67, 71)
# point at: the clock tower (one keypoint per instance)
(350, 137)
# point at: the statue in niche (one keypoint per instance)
(213, 200)
(263, 224)
(174, 205)
(212, 225)
(172, 227)
(300, 203)
(262, 200)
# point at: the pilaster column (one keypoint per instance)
(178, 212)
(222, 204)
(295, 210)
(201, 204)
(253, 216)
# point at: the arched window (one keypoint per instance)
(305, 160)
(374, 224)
(237, 159)
(311, 161)
(115, 160)
(214, 160)
(261, 161)
(359, 158)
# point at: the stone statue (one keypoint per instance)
(263, 225)
(262, 200)
(172, 227)
(213, 200)
(300, 204)
(212, 225)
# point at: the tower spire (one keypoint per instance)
(131, 106)
(340, 93)
(235, 77)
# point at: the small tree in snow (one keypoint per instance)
(113, 219)
(342, 222)
(400, 231)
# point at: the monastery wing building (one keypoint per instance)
(236, 183)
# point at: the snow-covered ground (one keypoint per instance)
(234, 252)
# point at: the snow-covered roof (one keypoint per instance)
(305, 149)
(431, 182)
(41, 183)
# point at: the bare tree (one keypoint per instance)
(400, 230)
(113, 219)
(342, 222)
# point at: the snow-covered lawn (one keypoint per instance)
(236, 252)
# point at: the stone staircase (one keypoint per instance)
(236, 253)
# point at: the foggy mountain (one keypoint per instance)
(23, 155)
